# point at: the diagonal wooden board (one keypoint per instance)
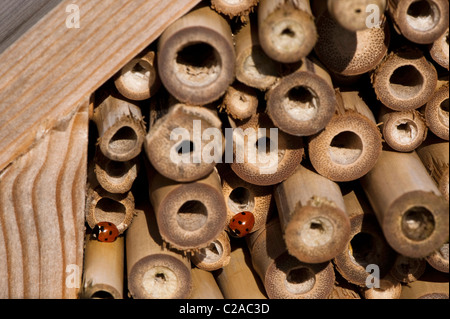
(48, 70)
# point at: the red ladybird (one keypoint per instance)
(106, 232)
(241, 224)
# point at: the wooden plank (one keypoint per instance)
(51, 68)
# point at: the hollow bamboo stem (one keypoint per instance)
(389, 288)
(215, 256)
(240, 101)
(439, 50)
(439, 259)
(436, 111)
(432, 285)
(233, 8)
(204, 286)
(407, 270)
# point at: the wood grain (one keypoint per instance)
(56, 67)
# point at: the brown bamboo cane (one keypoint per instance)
(407, 270)
(215, 256)
(432, 285)
(233, 8)
(439, 50)
(343, 289)
(422, 22)
(253, 67)
(139, 80)
(439, 259)
(351, 143)
(367, 244)
(271, 165)
(287, 32)
(189, 215)
(403, 131)
(103, 270)
(434, 154)
(204, 286)
(240, 101)
(120, 127)
(196, 57)
(180, 156)
(312, 216)
(389, 288)
(238, 280)
(303, 102)
(350, 53)
(436, 111)
(153, 270)
(243, 196)
(408, 205)
(353, 15)
(405, 80)
(284, 276)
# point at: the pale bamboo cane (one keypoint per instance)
(215, 256)
(204, 286)
(234, 8)
(436, 111)
(439, 50)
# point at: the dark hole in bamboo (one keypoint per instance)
(102, 294)
(301, 103)
(418, 223)
(422, 15)
(185, 147)
(192, 215)
(362, 246)
(116, 169)
(110, 210)
(263, 144)
(124, 140)
(240, 199)
(300, 280)
(346, 148)
(406, 82)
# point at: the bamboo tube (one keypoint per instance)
(353, 15)
(343, 289)
(138, 80)
(253, 67)
(284, 276)
(120, 128)
(270, 164)
(421, 21)
(176, 143)
(367, 244)
(303, 102)
(114, 176)
(434, 155)
(215, 256)
(243, 196)
(389, 288)
(405, 80)
(109, 207)
(351, 143)
(432, 285)
(287, 32)
(436, 111)
(312, 216)
(153, 270)
(238, 280)
(234, 8)
(240, 101)
(409, 207)
(439, 50)
(439, 259)
(407, 270)
(196, 58)
(103, 269)
(189, 215)
(204, 286)
(403, 131)
(347, 52)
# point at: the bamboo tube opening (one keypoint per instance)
(406, 82)
(241, 199)
(116, 169)
(406, 132)
(192, 215)
(317, 232)
(407, 270)
(212, 253)
(110, 210)
(185, 147)
(418, 223)
(160, 282)
(102, 294)
(423, 15)
(301, 103)
(439, 50)
(123, 141)
(443, 112)
(363, 248)
(345, 148)
(436, 113)
(300, 280)
(258, 66)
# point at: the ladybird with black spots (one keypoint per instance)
(242, 224)
(106, 232)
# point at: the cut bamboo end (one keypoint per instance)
(215, 256)
(153, 270)
(240, 101)
(204, 286)
(436, 112)
(347, 52)
(103, 269)
(405, 80)
(103, 206)
(302, 103)
(253, 67)
(176, 147)
(233, 8)
(353, 15)
(432, 285)
(389, 288)
(409, 207)
(196, 57)
(190, 215)
(243, 196)
(439, 259)
(138, 80)
(407, 270)
(344, 290)
(423, 21)
(287, 31)
(114, 176)
(403, 131)
(120, 127)
(284, 276)
(269, 164)
(439, 50)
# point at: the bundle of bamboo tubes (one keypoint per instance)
(324, 121)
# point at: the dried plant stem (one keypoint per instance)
(204, 286)
(215, 256)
